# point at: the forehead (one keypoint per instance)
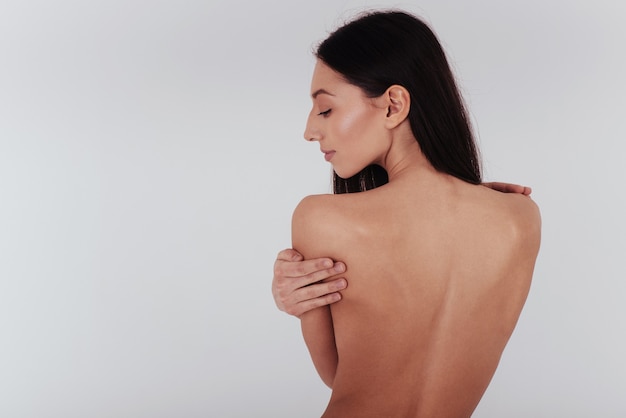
(327, 80)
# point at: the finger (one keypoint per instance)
(291, 290)
(311, 304)
(504, 187)
(509, 188)
(319, 275)
(303, 268)
(317, 290)
(289, 254)
(288, 301)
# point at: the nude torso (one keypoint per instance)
(438, 275)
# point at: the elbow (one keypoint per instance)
(328, 380)
(327, 373)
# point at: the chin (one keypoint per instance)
(346, 174)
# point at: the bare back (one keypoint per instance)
(438, 275)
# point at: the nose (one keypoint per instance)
(311, 131)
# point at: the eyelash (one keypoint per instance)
(324, 113)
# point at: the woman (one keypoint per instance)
(439, 266)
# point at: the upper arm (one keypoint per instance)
(527, 240)
(298, 224)
(309, 232)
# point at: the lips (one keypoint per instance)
(328, 155)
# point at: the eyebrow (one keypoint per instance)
(320, 91)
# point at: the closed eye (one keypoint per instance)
(324, 113)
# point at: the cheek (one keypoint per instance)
(358, 141)
(354, 124)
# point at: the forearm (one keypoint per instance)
(319, 336)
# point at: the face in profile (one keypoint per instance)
(348, 125)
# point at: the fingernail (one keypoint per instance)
(340, 267)
(341, 283)
(328, 263)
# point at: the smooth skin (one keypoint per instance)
(300, 285)
(439, 269)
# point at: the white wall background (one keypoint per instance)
(151, 155)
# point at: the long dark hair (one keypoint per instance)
(383, 48)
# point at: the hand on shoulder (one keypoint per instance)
(508, 188)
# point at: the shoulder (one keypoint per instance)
(526, 214)
(324, 225)
(511, 219)
(518, 209)
(341, 207)
(313, 203)
(311, 208)
(315, 220)
(523, 218)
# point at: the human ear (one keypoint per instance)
(398, 105)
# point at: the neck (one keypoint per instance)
(405, 156)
